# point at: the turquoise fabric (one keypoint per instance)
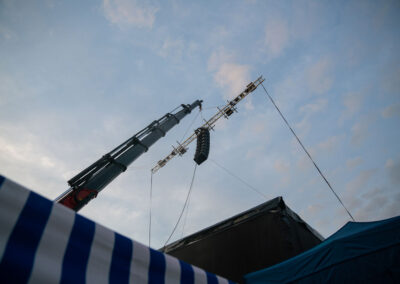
(358, 253)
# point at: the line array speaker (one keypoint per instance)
(203, 145)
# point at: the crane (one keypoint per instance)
(226, 111)
(88, 183)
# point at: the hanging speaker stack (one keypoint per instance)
(203, 145)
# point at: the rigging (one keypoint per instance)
(308, 154)
(226, 111)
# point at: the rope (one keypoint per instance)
(175, 109)
(212, 107)
(151, 199)
(190, 125)
(184, 206)
(202, 117)
(308, 154)
(240, 179)
(186, 214)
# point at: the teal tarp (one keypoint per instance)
(358, 253)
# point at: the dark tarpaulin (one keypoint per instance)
(257, 238)
(358, 253)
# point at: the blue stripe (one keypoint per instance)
(19, 255)
(211, 278)
(78, 250)
(1, 180)
(157, 267)
(187, 273)
(121, 260)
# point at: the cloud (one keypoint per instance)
(377, 203)
(229, 75)
(248, 105)
(329, 144)
(6, 33)
(126, 13)
(25, 158)
(234, 77)
(390, 79)
(352, 101)
(314, 209)
(393, 170)
(391, 111)
(358, 183)
(281, 166)
(307, 18)
(316, 106)
(172, 48)
(360, 129)
(276, 37)
(326, 147)
(319, 76)
(372, 208)
(304, 163)
(309, 110)
(353, 163)
(219, 57)
(355, 198)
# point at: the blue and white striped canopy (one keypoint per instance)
(45, 242)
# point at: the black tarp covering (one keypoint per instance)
(255, 239)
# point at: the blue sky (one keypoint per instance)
(77, 78)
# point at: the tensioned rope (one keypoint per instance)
(308, 154)
(151, 184)
(239, 179)
(186, 214)
(185, 218)
(184, 206)
(151, 201)
(190, 125)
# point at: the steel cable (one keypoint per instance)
(308, 154)
(184, 206)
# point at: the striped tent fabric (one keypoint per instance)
(45, 242)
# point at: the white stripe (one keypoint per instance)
(222, 280)
(12, 200)
(100, 256)
(173, 270)
(51, 249)
(199, 275)
(140, 263)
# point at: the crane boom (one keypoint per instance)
(226, 111)
(88, 183)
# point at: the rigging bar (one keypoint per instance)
(226, 111)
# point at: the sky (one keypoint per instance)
(77, 78)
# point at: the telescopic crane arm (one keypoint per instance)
(87, 184)
(226, 111)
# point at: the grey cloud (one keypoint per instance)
(359, 182)
(354, 162)
(390, 78)
(352, 102)
(360, 129)
(393, 170)
(130, 13)
(391, 111)
(316, 106)
(319, 76)
(276, 36)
